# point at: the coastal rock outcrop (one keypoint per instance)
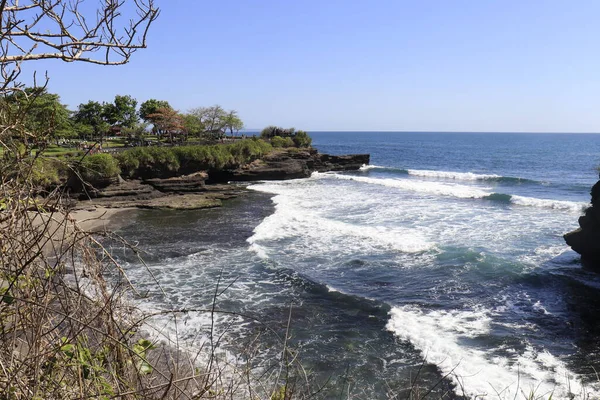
(290, 164)
(187, 183)
(586, 239)
(205, 190)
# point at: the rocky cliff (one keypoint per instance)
(586, 239)
(203, 190)
(290, 164)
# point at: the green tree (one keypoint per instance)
(150, 107)
(92, 114)
(136, 133)
(122, 112)
(192, 124)
(301, 139)
(272, 131)
(44, 115)
(214, 120)
(233, 122)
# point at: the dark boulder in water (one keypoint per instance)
(586, 239)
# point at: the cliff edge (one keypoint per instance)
(205, 189)
(586, 239)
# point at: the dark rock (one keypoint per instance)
(119, 188)
(350, 162)
(202, 190)
(290, 164)
(178, 194)
(182, 184)
(586, 239)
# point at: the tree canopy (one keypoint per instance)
(122, 112)
(150, 107)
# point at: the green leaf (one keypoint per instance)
(68, 349)
(8, 299)
(145, 368)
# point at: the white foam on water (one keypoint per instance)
(440, 336)
(572, 206)
(438, 221)
(291, 218)
(436, 188)
(332, 289)
(458, 191)
(366, 167)
(260, 251)
(461, 176)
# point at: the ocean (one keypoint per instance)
(441, 265)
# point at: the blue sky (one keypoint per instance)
(519, 66)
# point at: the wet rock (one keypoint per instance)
(290, 164)
(181, 184)
(586, 239)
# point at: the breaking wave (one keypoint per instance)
(462, 192)
(450, 175)
(440, 334)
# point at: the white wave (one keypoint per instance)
(461, 176)
(441, 189)
(460, 191)
(260, 251)
(332, 289)
(573, 206)
(289, 222)
(366, 167)
(440, 335)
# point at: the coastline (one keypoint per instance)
(114, 206)
(99, 218)
(202, 189)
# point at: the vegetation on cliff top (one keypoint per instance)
(170, 161)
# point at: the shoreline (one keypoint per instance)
(97, 218)
(208, 189)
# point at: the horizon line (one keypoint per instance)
(423, 131)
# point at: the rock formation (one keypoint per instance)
(586, 239)
(290, 164)
(205, 190)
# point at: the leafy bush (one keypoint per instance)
(98, 167)
(278, 141)
(170, 161)
(272, 131)
(47, 172)
(246, 151)
(301, 139)
(159, 161)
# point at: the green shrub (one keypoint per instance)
(246, 151)
(170, 161)
(47, 172)
(301, 139)
(155, 161)
(279, 141)
(128, 162)
(98, 167)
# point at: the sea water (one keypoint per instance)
(440, 263)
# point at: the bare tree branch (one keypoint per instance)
(107, 33)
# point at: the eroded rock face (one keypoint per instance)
(291, 164)
(187, 183)
(202, 190)
(586, 239)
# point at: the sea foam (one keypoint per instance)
(461, 192)
(441, 189)
(461, 176)
(322, 233)
(440, 336)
